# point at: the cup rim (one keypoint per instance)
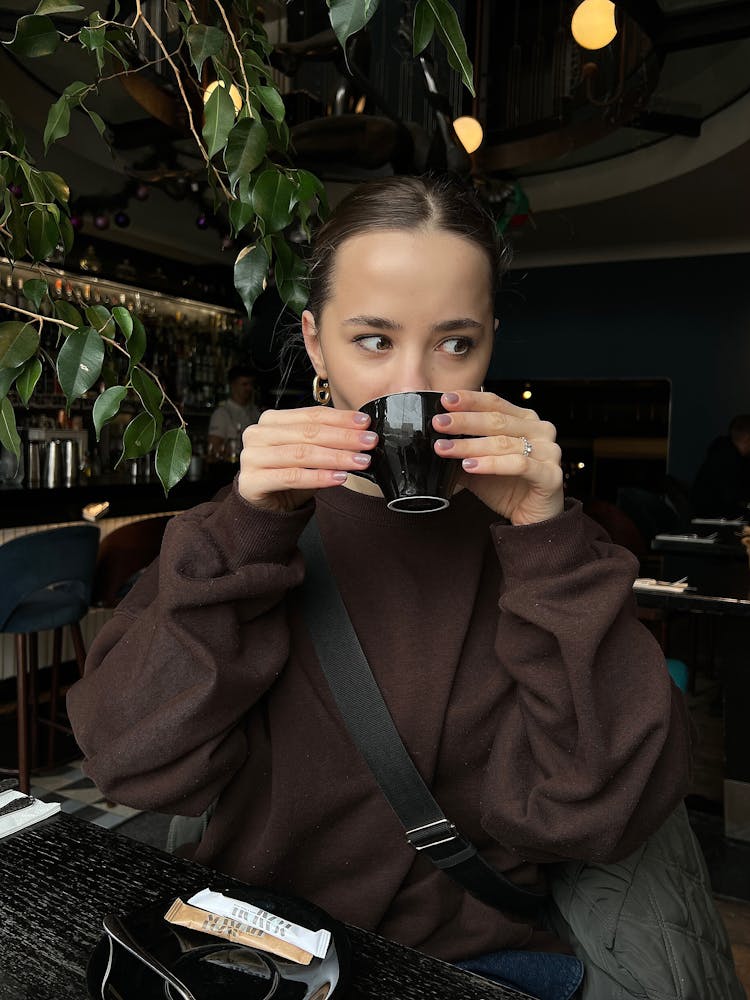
(398, 504)
(407, 392)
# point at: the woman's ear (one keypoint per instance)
(312, 343)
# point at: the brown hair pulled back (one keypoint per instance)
(393, 203)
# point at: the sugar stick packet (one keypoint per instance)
(196, 919)
(316, 942)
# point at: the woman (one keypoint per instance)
(501, 631)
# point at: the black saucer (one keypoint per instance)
(211, 967)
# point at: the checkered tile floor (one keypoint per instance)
(78, 795)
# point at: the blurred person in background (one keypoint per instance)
(722, 485)
(231, 417)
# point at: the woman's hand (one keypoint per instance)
(289, 454)
(525, 488)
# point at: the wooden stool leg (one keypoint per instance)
(80, 649)
(23, 718)
(54, 691)
(33, 653)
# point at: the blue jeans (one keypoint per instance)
(545, 975)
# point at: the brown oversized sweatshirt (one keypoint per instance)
(533, 702)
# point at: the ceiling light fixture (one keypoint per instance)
(593, 24)
(469, 132)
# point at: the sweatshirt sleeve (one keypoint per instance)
(158, 714)
(592, 750)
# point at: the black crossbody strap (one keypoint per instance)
(370, 724)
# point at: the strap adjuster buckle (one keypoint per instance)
(442, 831)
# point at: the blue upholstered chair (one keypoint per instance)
(46, 584)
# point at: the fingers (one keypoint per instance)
(294, 452)
(498, 438)
(495, 422)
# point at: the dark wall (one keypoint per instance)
(687, 320)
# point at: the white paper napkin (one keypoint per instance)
(21, 818)
(661, 586)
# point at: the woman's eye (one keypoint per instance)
(375, 344)
(458, 345)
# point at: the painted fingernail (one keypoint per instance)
(361, 459)
(361, 418)
(450, 397)
(470, 463)
(443, 420)
(339, 477)
(446, 445)
(368, 437)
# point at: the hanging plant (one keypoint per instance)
(243, 139)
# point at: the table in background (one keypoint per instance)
(59, 878)
(722, 584)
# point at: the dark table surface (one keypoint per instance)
(58, 879)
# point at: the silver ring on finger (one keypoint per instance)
(528, 447)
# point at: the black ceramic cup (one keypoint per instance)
(413, 477)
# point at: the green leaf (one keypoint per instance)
(136, 343)
(449, 32)
(15, 222)
(101, 319)
(204, 41)
(254, 66)
(74, 91)
(93, 39)
(68, 313)
(43, 234)
(58, 122)
(98, 121)
(139, 437)
(35, 289)
(8, 433)
(272, 199)
(57, 7)
(27, 380)
(271, 100)
(107, 405)
(56, 186)
(350, 16)
(245, 149)
(149, 392)
(173, 457)
(7, 377)
(35, 36)
(18, 341)
(250, 270)
(79, 362)
(124, 320)
(218, 120)
(240, 213)
(424, 27)
(66, 234)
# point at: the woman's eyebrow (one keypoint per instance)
(445, 326)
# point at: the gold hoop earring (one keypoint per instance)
(321, 391)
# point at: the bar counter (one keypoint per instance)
(20, 506)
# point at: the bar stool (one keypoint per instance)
(123, 554)
(47, 578)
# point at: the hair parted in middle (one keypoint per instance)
(404, 203)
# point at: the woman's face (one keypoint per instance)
(409, 310)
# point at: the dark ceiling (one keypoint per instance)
(666, 177)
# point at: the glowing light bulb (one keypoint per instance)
(526, 394)
(233, 93)
(469, 132)
(593, 24)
